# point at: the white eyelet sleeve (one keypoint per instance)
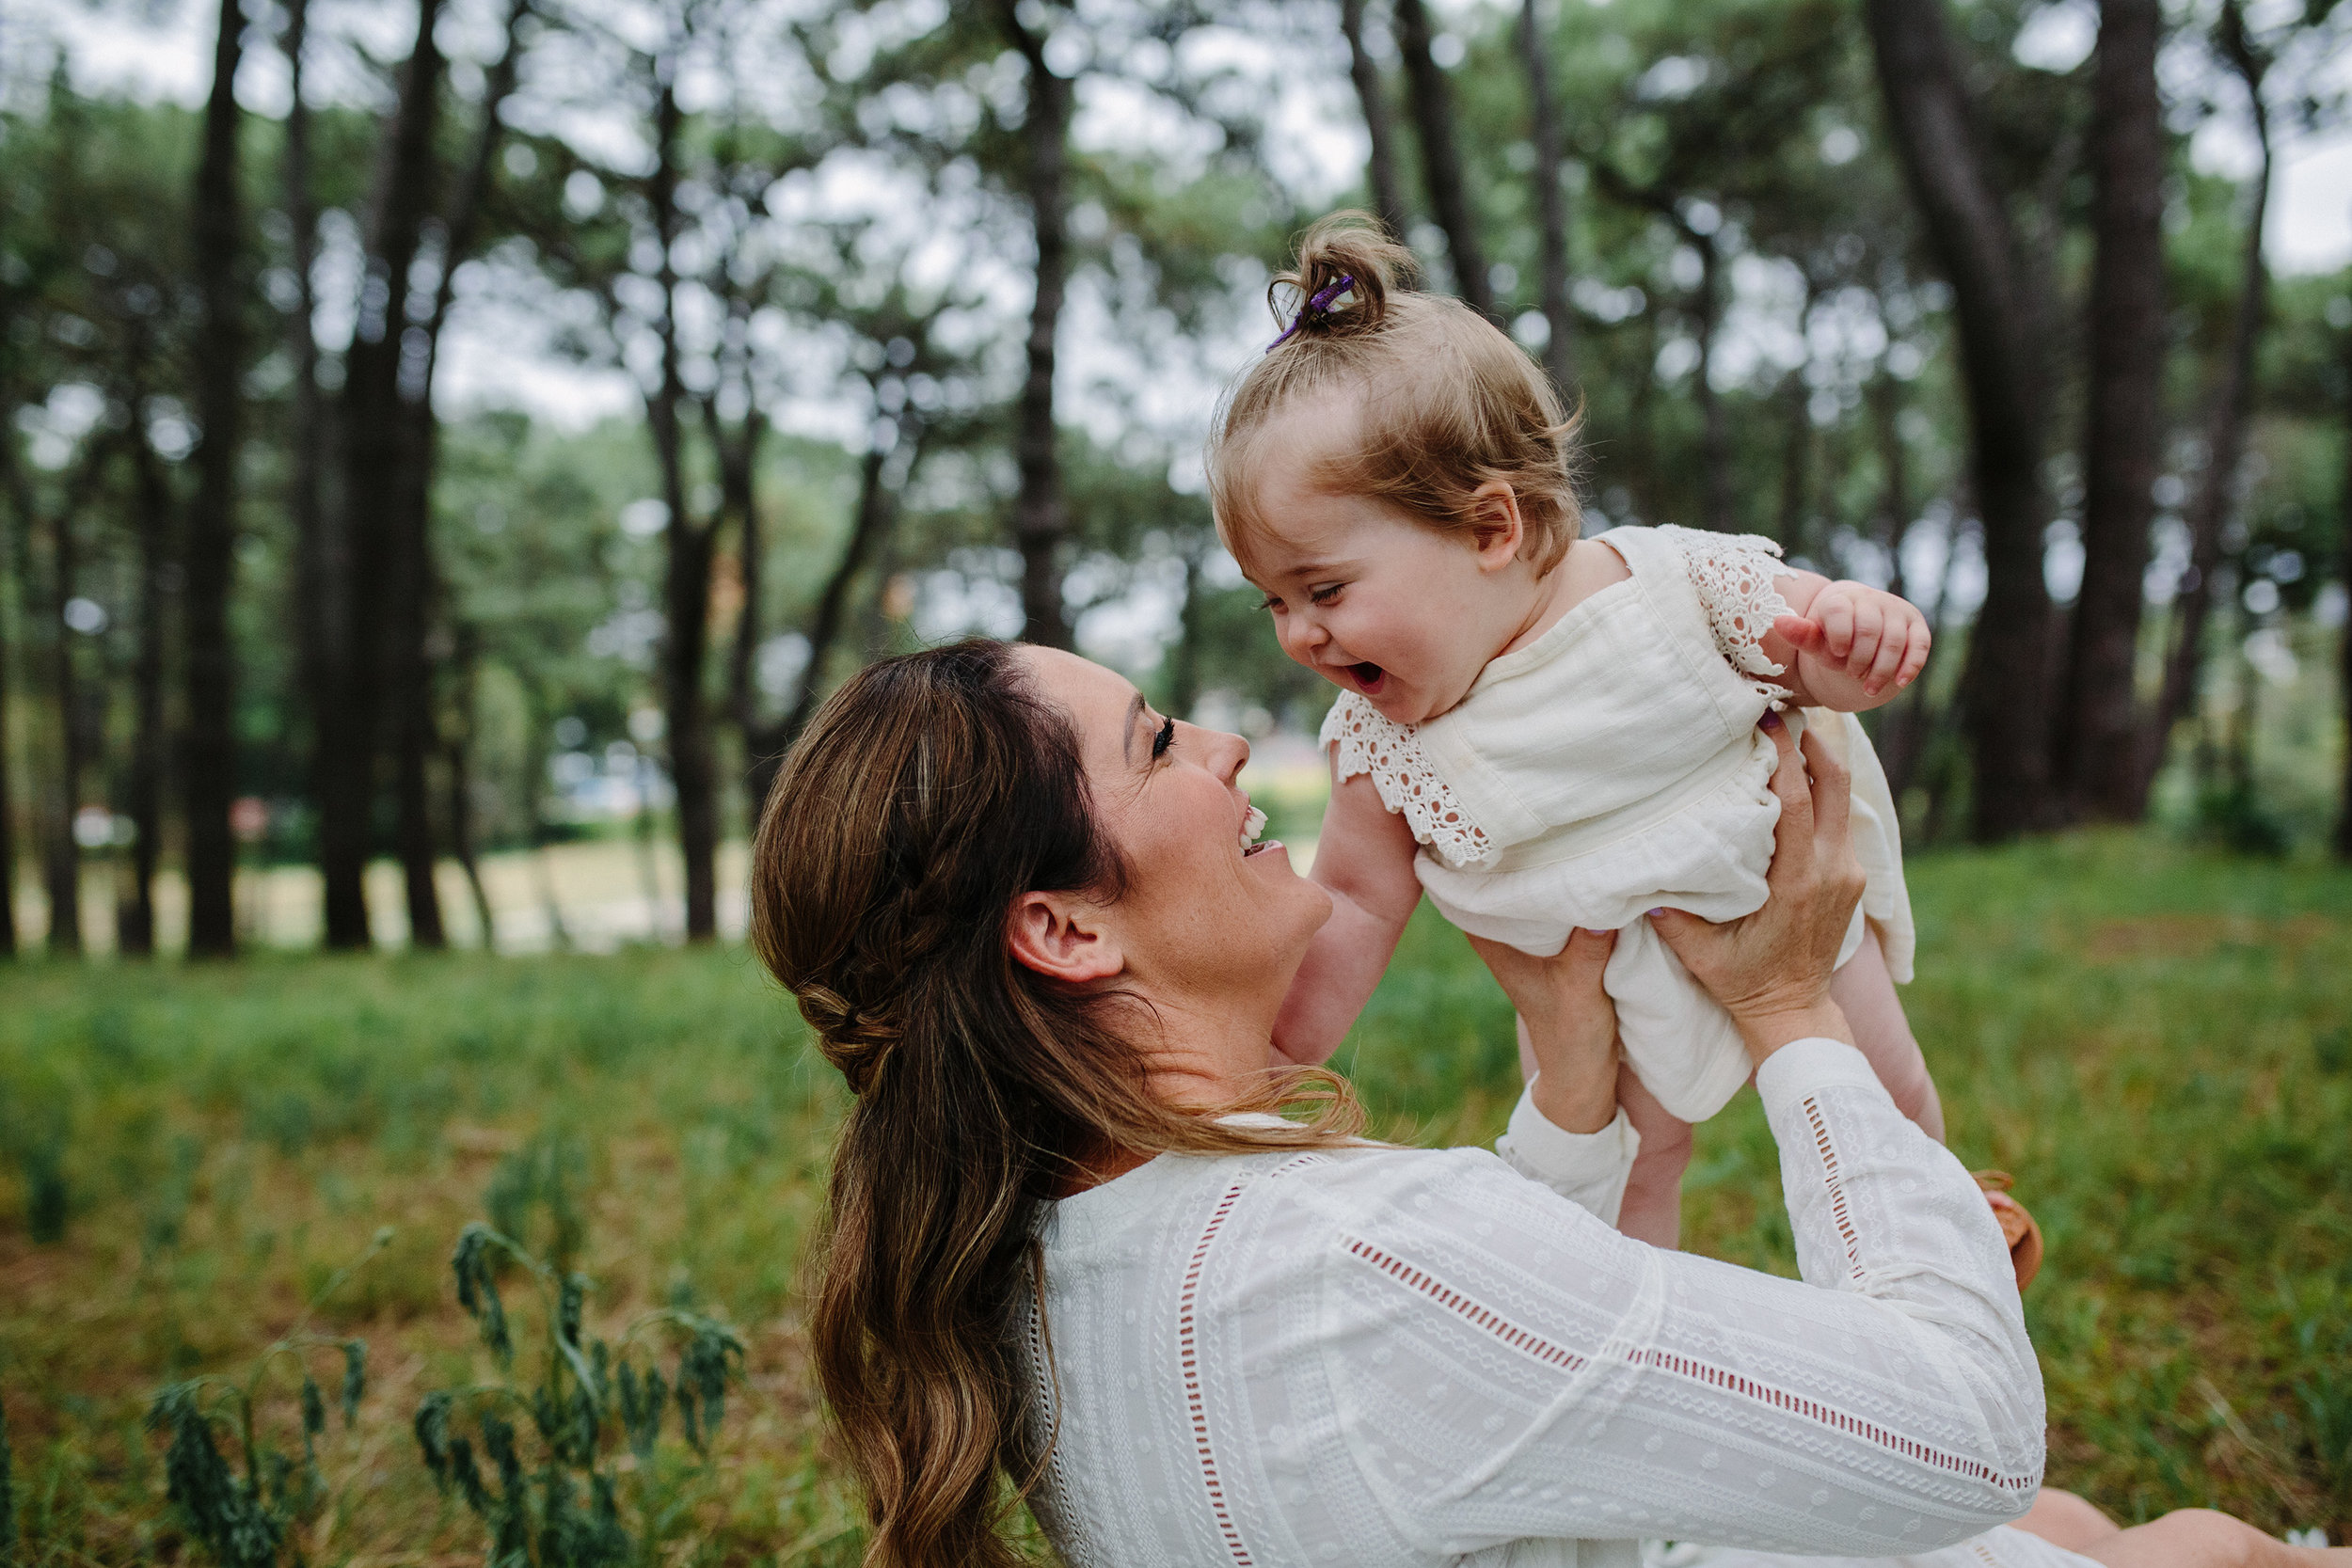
(1589, 1169)
(1364, 740)
(1734, 573)
(1506, 1366)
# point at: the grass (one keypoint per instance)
(2158, 1042)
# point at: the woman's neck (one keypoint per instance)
(1198, 1057)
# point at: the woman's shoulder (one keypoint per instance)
(1348, 1186)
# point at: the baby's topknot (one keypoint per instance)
(1351, 246)
(1437, 406)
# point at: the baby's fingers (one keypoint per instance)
(1893, 649)
(1915, 655)
(1835, 613)
(1802, 635)
(1869, 630)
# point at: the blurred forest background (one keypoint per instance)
(452, 445)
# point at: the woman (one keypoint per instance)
(1069, 1244)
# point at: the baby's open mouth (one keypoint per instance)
(1369, 677)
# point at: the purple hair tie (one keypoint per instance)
(1319, 305)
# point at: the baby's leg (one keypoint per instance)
(1864, 991)
(2188, 1538)
(1652, 1209)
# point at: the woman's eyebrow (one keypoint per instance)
(1127, 737)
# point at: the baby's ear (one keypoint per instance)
(1496, 526)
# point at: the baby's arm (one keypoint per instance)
(1364, 859)
(1845, 646)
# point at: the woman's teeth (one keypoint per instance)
(1251, 826)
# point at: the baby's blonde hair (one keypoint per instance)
(1448, 403)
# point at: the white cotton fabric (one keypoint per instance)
(1612, 765)
(1385, 1356)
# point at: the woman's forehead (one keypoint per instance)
(1102, 702)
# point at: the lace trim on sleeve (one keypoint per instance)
(1365, 742)
(1734, 576)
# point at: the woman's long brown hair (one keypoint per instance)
(926, 795)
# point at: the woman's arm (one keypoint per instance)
(1364, 859)
(1510, 1367)
(1516, 1369)
(1568, 1131)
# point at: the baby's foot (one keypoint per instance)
(2017, 1227)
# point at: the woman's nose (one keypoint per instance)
(1227, 754)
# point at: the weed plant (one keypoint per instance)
(2157, 1040)
(588, 1400)
(243, 1519)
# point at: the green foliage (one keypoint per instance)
(240, 1519)
(589, 1397)
(244, 1519)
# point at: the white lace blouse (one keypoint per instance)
(1386, 1356)
(1614, 764)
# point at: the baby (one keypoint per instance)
(1540, 730)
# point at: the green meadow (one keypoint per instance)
(2156, 1041)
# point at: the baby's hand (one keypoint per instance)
(1871, 635)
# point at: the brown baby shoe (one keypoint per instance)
(2017, 1227)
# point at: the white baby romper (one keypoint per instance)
(1613, 765)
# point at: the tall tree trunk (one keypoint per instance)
(1552, 204)
(2094, 749)
(2225, 433)
(61, 852)
(1041, 515)
(322, 545)
(537, 747)
(415, 578)
(1431, 95)
(411, 590)
(1388, 190)
(2002, 321)
(208, 772)
(1796, 465)
(1184, 660)
(739, 501)
(465, 657)
(1902, 724)
(375, 447)
(15, 541)
(877, 509)
(143, 795)
(1896, 511)
(2344, 575)
(1714, 428)
(689, 545)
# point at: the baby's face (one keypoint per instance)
(1374, 601)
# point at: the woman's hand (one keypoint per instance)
(1770, 969)
(1571, 1026)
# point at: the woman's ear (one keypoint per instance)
(1496, 525)
(1056, 935)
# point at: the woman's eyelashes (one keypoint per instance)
(1163, 740)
